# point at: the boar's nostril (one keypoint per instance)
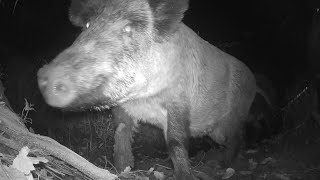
(61, 88)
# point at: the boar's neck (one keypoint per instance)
(186, 61)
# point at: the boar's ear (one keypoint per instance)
(167, 14)
(82, 11)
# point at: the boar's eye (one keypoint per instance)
(127, 30)
(87, 25)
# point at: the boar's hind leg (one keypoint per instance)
(232, 145)
(177, 140)
(122, 153)
(229, 134)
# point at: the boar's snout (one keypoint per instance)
(57, 89)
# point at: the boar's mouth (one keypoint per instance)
(94, 100)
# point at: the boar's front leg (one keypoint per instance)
(177, 139)
(122, 153)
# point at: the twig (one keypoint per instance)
(308, 170)
(204, 154)
(111, 165)
(15, 4)
(163, 166)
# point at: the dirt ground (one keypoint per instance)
(291, 155)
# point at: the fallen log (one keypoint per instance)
(14, 135)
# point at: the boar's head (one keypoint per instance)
(115, 58)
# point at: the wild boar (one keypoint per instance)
(140, 57)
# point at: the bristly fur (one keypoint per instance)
(167, 15)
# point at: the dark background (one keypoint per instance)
(270, 36)
(276, 38)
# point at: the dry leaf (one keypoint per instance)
(267, 160)
(229, 172)
(159, 175)
(150, 170)
(22, 162)
(126, 172)
(251, 151)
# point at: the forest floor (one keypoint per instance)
(291, 155)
